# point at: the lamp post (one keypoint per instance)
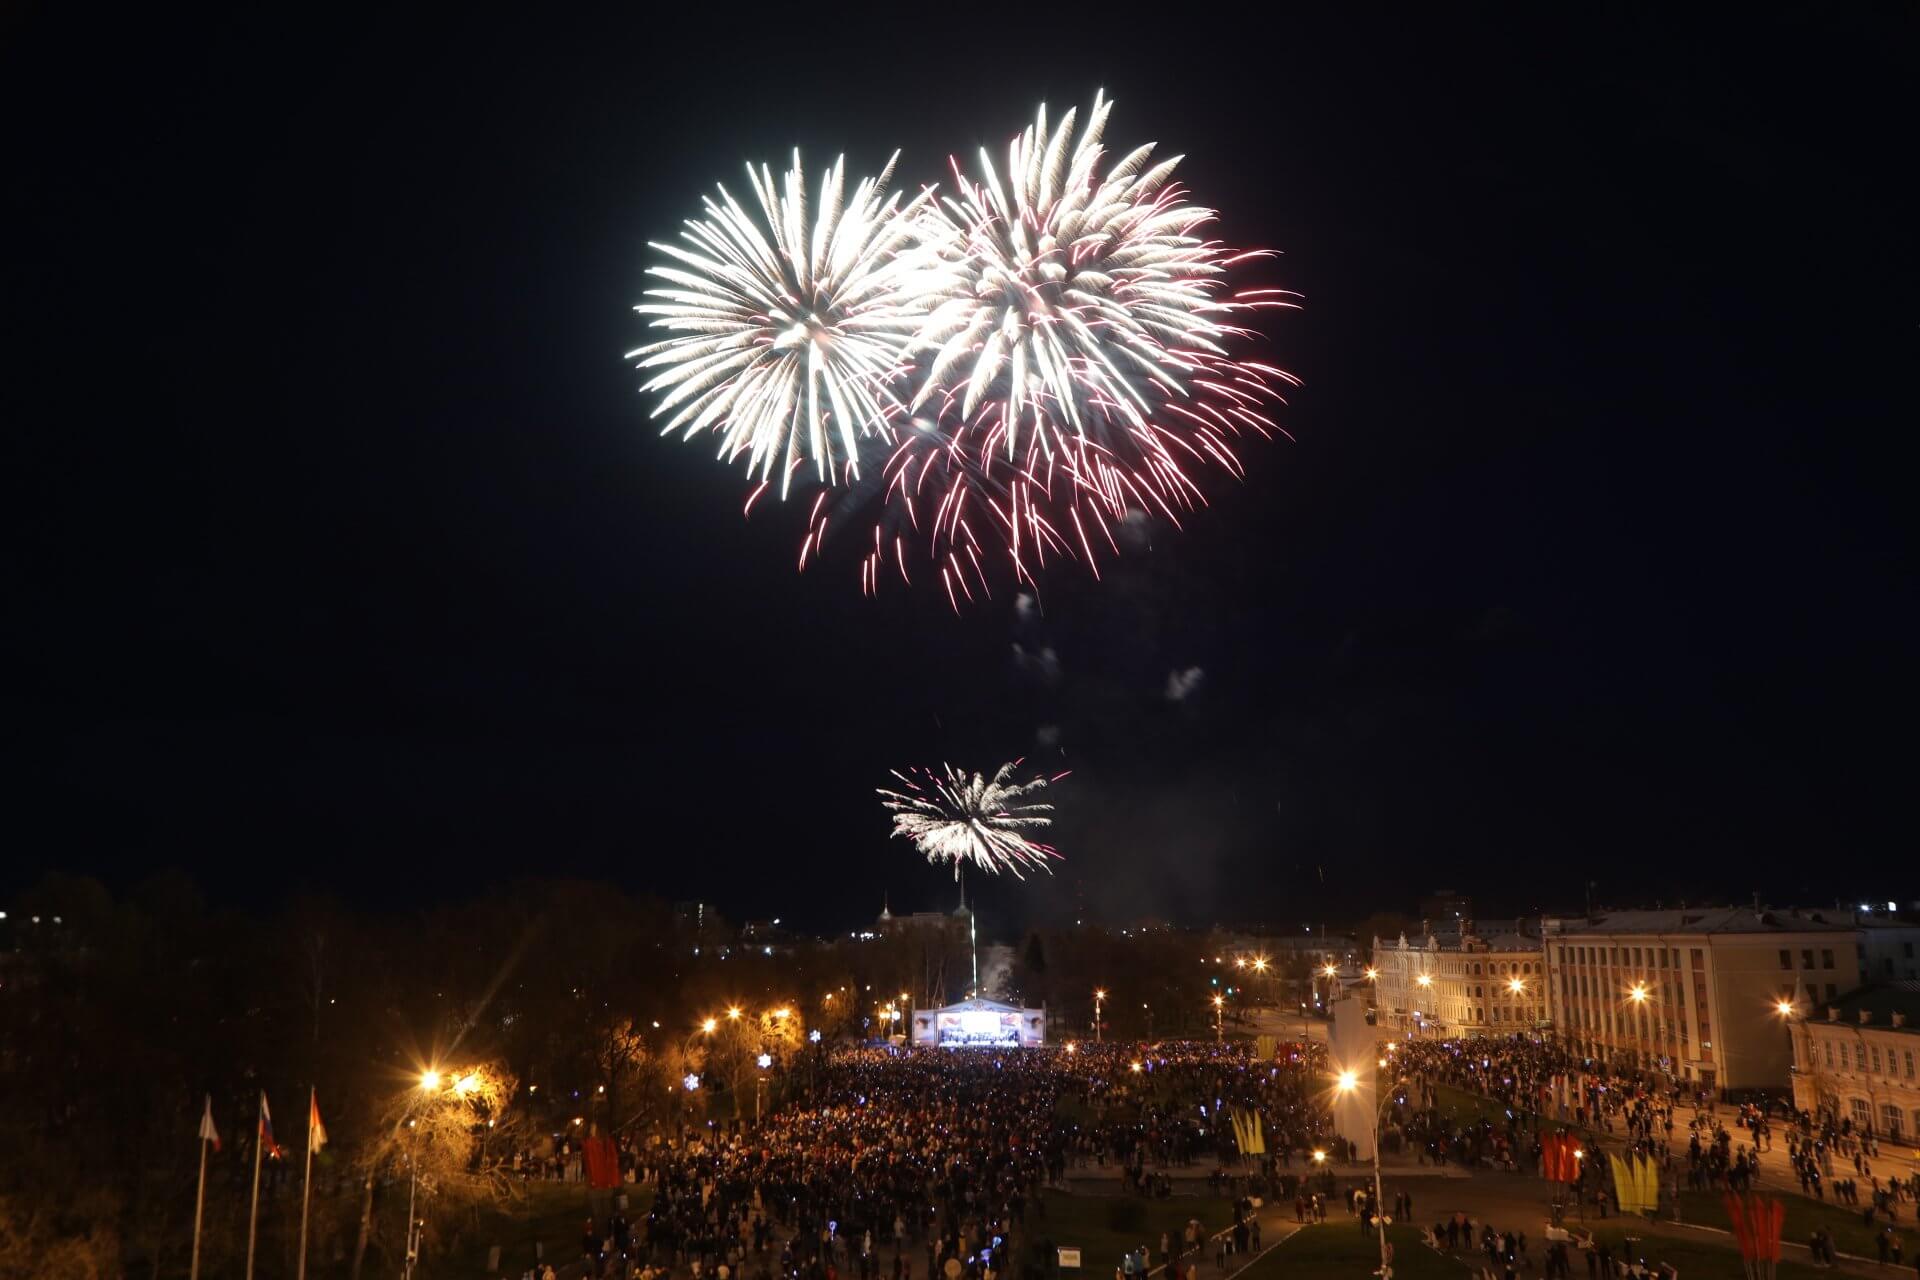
(1423, 981)
(429, 1084)
(1099, 998)
(1349, 1082)
(1219, 1010)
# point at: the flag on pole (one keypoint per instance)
(207, 1132)
(316, 1132)
(267, 1144)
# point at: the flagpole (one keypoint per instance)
(199, 1203)
(253, 1216)
(306, 1185)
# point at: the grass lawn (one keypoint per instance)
(1459, 1105)
(1088, 1223)
(1850, 1234)
(1697, 1259)
(1341, 1251)
(551, 1214)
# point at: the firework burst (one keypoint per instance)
(1077, 367)
(959, 817)
(788, 330)
(1007, 372)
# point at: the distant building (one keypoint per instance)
(1472, 981)
(1446, 909)
(1696, 993)
(1854, 1060)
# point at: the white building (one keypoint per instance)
(1459, 984)
(1854, 1060)
(1697, 993)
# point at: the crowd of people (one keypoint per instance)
(901, 1160)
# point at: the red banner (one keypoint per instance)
(603, 1163)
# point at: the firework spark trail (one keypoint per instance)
(959, 817)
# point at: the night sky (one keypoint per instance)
(349, 560)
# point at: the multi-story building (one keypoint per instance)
(1459, 983)
(1697, 993)
(1854, 1060)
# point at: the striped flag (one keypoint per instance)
(267, 1144)
(316, 1132)
(207, 1132)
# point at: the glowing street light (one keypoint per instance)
(1373, 975)
(733, 1013)
(1347, 1082)
(1638, 993)
(709, 1025)
(1319, 1156)
(782, 1014)
(429, 1080)
(1516, 986)
(1424, 980)
(1099, 998)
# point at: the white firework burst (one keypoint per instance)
(1076, 367)
(788, 330)
(960, 817)
(1080, 291)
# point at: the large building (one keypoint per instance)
(1697, 993)
(1465, 983)
(1854, 1060)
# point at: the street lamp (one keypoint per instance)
(1219, 1010)
(1349, 1082)
(708, 1027)
(733, 1013)
(429, 1083)
(1099, 998)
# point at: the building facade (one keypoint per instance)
(1696, 994)
(1459, 984)
(1854, 1060)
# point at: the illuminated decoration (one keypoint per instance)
(764, 1061)
(960, 817)
(979, 1024)
(691, 1081)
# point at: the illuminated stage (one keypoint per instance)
(979, 1024)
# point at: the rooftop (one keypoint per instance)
(1881, 1002)
(1704, 920)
